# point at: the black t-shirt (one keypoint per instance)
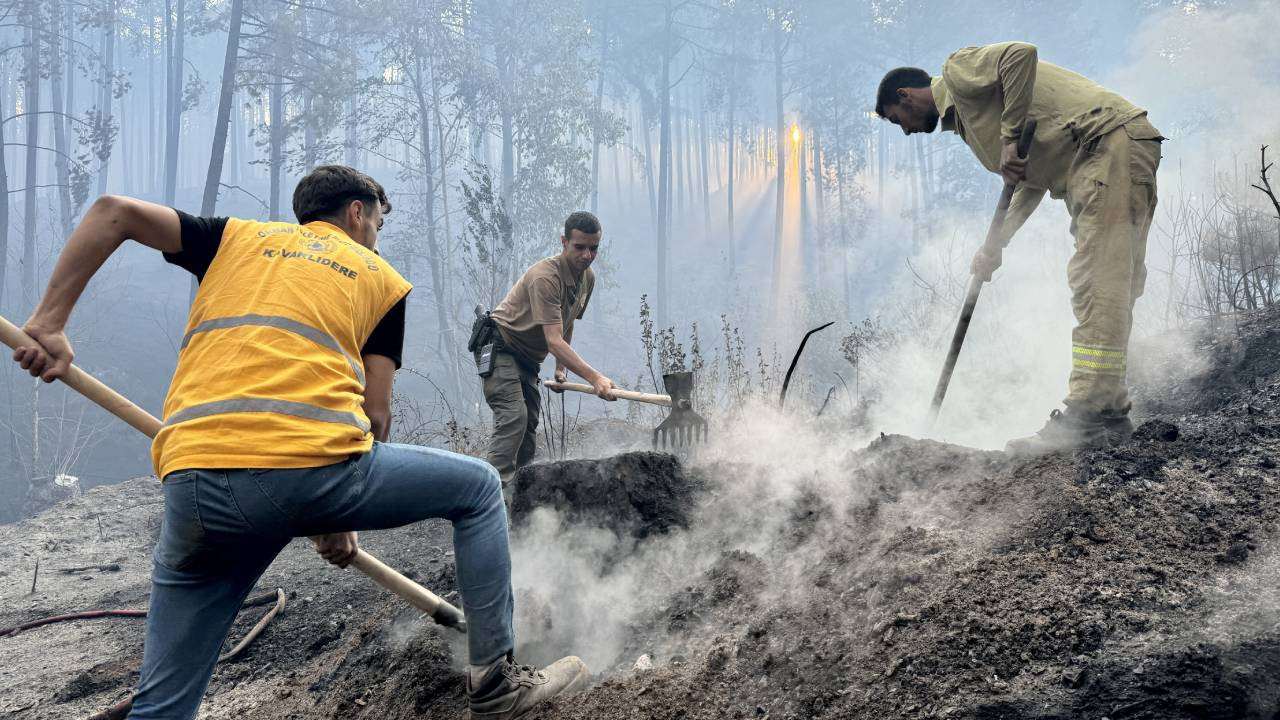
(201, 237)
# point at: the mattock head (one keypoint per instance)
(683, 427)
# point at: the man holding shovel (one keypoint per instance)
(275, 426)
(1093, 149)
(536, 319)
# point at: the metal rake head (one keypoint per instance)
(683, 427)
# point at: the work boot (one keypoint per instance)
(1066, 430)
(1117, 428)
(506, 690)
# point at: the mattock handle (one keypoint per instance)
(651, 398)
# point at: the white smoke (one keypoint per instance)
(584, 590)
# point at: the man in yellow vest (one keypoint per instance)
(1093, 149)
(275, 427)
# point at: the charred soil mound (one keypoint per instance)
(636, 493)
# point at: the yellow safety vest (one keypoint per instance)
(270, 374)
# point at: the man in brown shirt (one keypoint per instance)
(1093, 149)
(534, 320)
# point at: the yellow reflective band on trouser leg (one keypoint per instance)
(1098, 360)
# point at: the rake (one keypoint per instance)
(682, 427)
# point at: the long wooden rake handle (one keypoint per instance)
(113, 402)
(651, 398)
(975, 283)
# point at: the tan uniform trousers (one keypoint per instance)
(512, 395)
(1111, 195)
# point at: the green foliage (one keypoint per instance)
(309, 55)
(486, 237)
(648, 339)
(725, 380)
(867, 337)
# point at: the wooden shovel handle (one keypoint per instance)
(120, 406)
(416, 595)
(663, 400)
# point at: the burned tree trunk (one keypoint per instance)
(276, 141)
(444, 214)
(732, 145)
(664, 166)
(705, 173)
(775, 280)
(820, 206)
(61, 166)
(349, 144)
(31, 111)
(225, 96)
(599, 108)
(173, 106)
(4, 216)
(802, 181)
(104, 91)
(648, 165)
(435, 258)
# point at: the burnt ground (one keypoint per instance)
(637, 494)
(903, 579)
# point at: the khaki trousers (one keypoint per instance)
(512, 394)
(1111, 195)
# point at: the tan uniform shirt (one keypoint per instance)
(547, 294)
(985, 93)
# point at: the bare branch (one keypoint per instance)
(1266, 184)
(68, 116)
(49, 149)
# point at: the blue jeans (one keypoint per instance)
(222, 528)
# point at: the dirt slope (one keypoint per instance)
(900, 579)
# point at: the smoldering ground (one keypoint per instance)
(768, 485)
(903, 577)
(805, 573)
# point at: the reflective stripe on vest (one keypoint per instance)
(282, 407)
(318, 337)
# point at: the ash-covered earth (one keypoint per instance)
(781, 573)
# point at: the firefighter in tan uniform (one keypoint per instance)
(1093, 149)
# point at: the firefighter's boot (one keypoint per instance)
(505, 690)
(1066, 430)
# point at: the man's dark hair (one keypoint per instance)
(326, 191)
(583, 222)
(895, 80)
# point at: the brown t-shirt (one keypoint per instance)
(547, 294)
